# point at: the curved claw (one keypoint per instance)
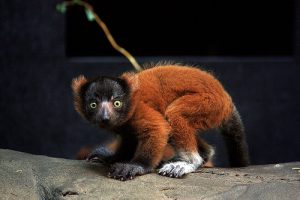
(100, 155)
(126, 171)
(94, 158)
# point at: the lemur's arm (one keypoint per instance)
(152, 136)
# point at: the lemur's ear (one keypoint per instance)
(131, 80)
(77, 84)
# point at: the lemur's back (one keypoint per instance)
(164, 84)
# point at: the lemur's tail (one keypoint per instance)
(234, 135)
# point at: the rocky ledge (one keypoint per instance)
(26, 176)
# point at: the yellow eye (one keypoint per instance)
(93, 105)
(117, 104)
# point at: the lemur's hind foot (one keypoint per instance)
(185, 163)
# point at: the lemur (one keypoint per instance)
(156, 114)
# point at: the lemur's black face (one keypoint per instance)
(105, 101)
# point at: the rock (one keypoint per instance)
(26, 176)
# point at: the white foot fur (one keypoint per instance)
(179, 168)
(176, 169)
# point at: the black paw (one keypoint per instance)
(126, 171)
(99, 155)
(94, 158)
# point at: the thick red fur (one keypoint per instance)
(170, 103)
(174, 102)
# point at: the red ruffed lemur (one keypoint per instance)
(156, 114)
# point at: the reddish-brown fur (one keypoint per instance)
(173, 101)
(77, 84)
(170, 102)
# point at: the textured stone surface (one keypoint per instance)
(26, 176)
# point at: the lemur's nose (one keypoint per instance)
(105, 119)
(104, 113)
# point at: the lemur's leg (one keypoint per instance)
(183, 138)
(206, 152)
(186, 115)
(152, 132)
(187, 158)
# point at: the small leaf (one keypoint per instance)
(61, 7)
(76, 1)
(89, 14)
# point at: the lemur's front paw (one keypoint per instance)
(99, 155)
(93, 157)
(126, 171)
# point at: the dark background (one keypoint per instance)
(196, 28)
(253, 48)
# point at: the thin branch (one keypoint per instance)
(108, 35)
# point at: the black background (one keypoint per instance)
(256, 58)
(193, 28)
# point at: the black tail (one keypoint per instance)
(234, 135)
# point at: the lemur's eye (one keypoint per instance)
(93, 105)
(117, 104)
